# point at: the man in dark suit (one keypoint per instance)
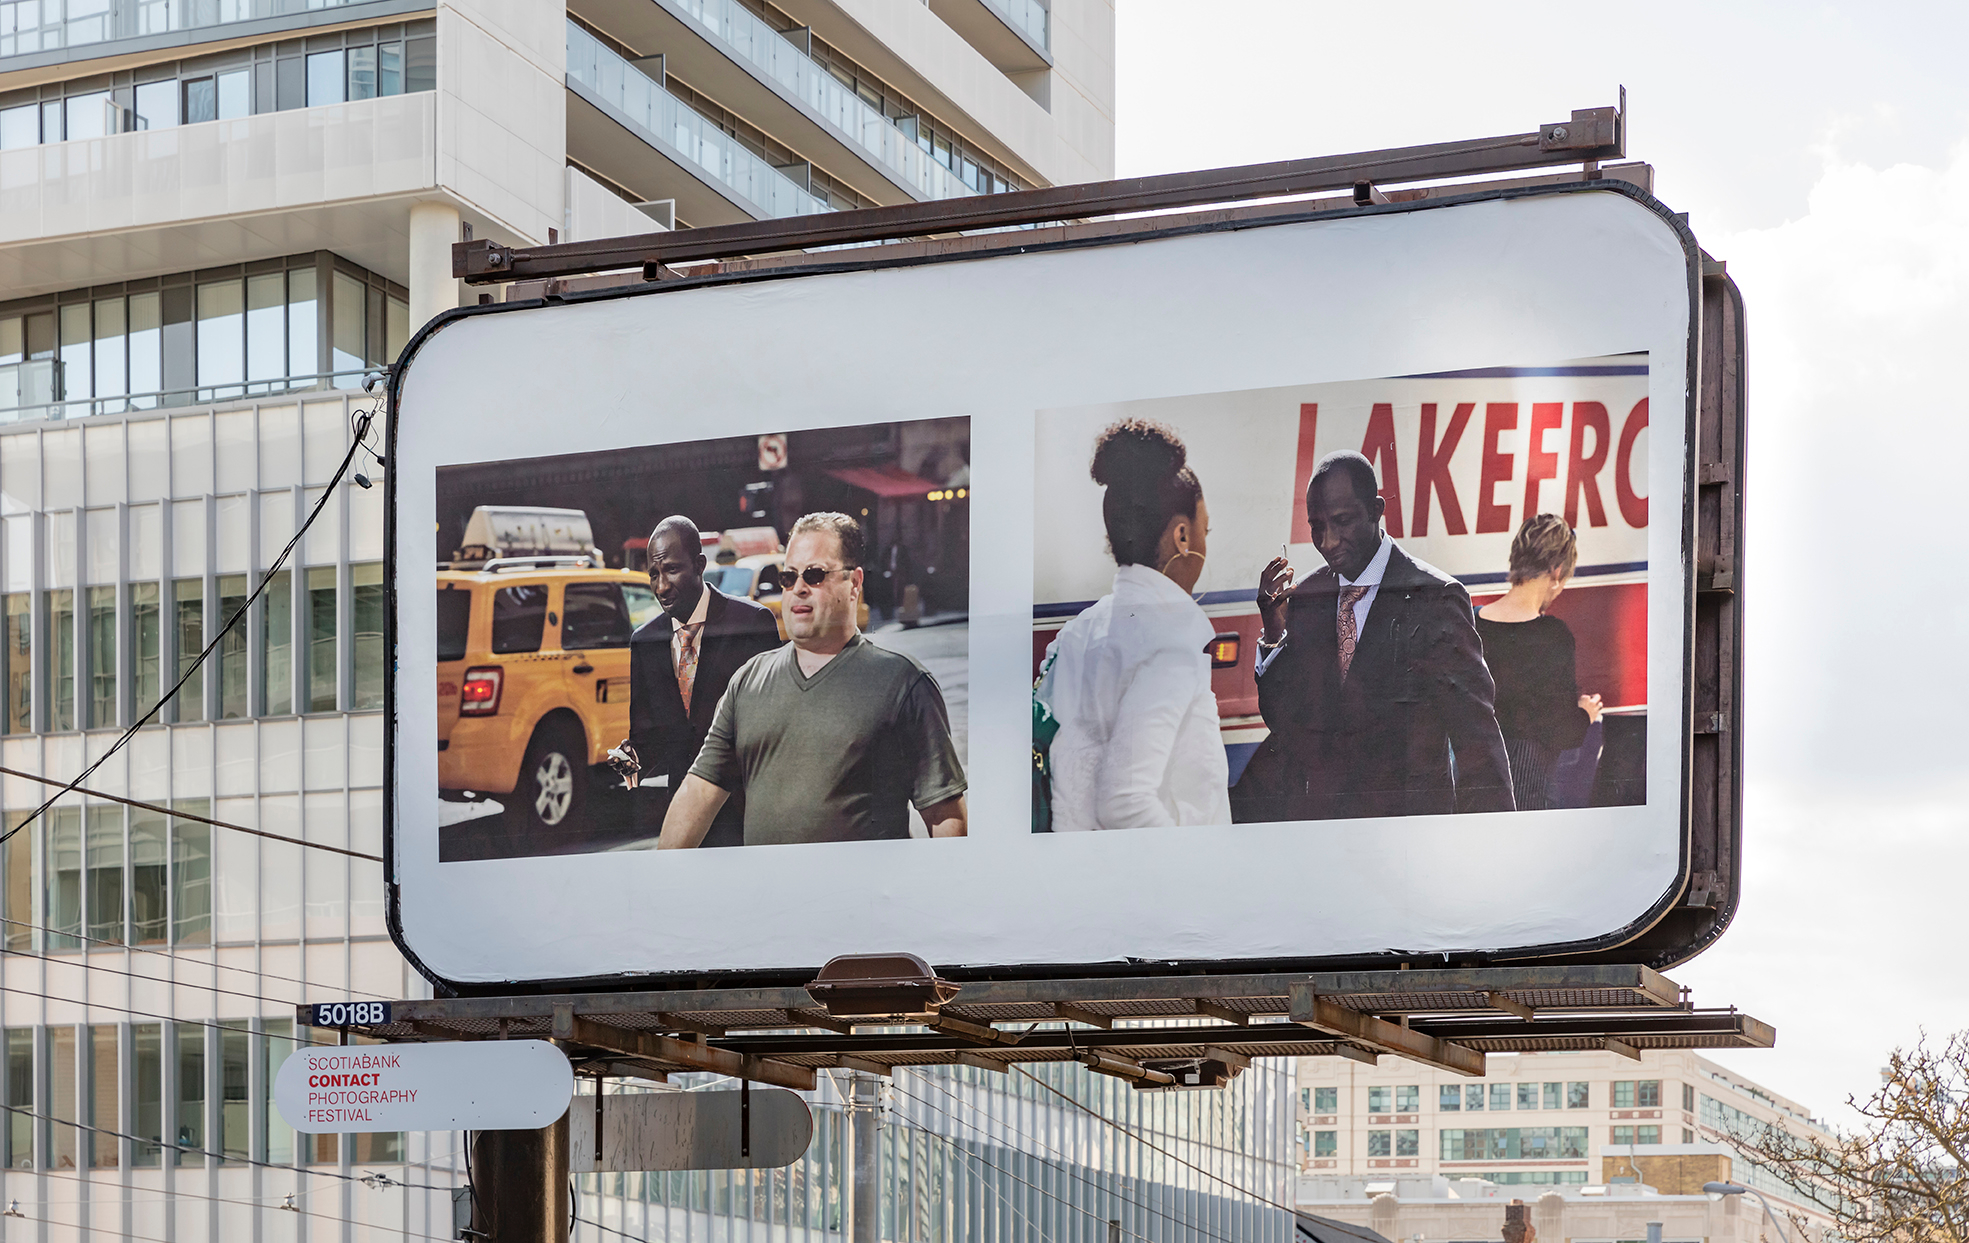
(1370, 676)
(679, 664)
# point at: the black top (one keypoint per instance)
(1537, 688)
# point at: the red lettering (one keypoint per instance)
(1499, 417)
(1432, 469)
(1309, 418)
(1633, 508)
(1378, 447)
(1583, 468)
(1540, 465)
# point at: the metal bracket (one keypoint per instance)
(1318, 1013)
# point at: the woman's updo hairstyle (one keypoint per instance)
(1544, 544)
(1143, 466)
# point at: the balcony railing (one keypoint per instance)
(55, 24)
(665, 122)
(1029, 17)
(769, 53)
(31, 391)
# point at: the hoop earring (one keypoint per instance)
(1187, 552)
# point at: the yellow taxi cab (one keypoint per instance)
(756, 578)
(533, 678)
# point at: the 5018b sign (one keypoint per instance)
(350, 1013)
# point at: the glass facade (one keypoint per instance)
(327, 68)
(303, 322)
(1527, 1143)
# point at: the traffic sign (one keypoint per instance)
(493, 1085)
(758, 1128)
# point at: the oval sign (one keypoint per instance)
(492, 1085)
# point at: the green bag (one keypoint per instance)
(1044, 727)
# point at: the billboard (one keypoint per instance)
(1330, 556)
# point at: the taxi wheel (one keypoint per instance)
(554, 775)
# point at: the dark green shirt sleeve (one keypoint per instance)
(717, 760)
(924, 724)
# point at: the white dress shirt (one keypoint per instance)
(1139, 742)
(1370, 578)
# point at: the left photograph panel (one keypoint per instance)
(613, 643)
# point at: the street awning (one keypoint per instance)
(884, 481)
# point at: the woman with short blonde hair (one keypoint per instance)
(1531, 655)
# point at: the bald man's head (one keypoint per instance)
(676, 565)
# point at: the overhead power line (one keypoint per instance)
(174, 813)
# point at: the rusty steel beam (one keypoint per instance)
(1316, 1012)
(1591, 135)
(648, 1046)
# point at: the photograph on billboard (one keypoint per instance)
(594, 610)
(1442, 609)
(741, 625)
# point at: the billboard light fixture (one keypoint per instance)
(880, 986)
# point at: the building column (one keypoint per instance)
(433, 289)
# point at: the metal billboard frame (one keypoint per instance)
(1684, 920)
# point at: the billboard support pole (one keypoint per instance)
(520, 1185)
(865, 1202)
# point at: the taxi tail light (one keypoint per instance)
(479, 694)
(1224, 649)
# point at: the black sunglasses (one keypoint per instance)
(813, 575)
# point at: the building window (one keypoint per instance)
(235, 1094)
(1688, 1136)
(1647, 1093)
(1408, 1098)
(1623, 1094)
(1647, 1134)
(1408, 1143)
(104, 1082)
(1326, 1100)
(19, 717)
(61, 672)
(1379, 1144)
(1473, 1097)
(1578, 1096)
(1449, 1098)
(20, 1095)
(1689, 1097)
(105, 866)
(321, 639)
(277, 645)
(1380, 1100)
(1530, 1143)
(188, 625)
(366, 581)
(1326, 1143)
(62, 866)
(1527, 1096)
(1623, 1135)
(17, 857)
(234, 700)
(1500, 1096)
(191, 875)
(190, 1112)
(102, 657)
(145, 636)
(1552, 1095)
(150, 869)
(64, 1153)
(147, 1085)
(276, 1046)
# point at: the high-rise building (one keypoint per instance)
(215, 217)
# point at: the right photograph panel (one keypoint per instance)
(1416, 595)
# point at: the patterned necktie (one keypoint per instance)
(686, 663)
(1349, 633)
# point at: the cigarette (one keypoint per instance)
(1283, 552)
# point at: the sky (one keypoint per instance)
(1822, 151)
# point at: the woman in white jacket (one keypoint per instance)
(1129, 679)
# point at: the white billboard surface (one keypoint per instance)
(1529, 351)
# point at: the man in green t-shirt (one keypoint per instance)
(830, 738)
